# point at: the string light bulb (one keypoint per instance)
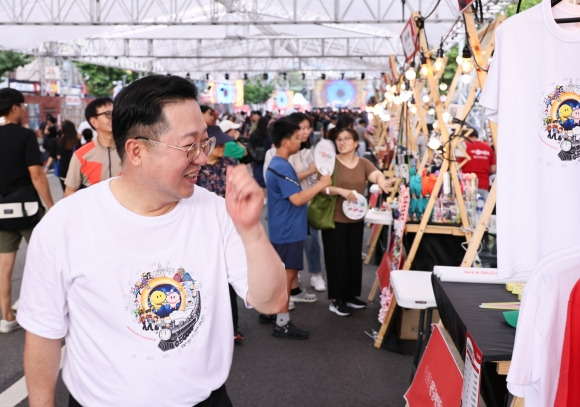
(443, 86)
(438, 64)
(424, 68)
(411, 74)
(465, 63)
(426, 98)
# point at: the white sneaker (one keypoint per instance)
(8, 326)
(304, 296)
(15, 305)
(291, 305)
(317, 282)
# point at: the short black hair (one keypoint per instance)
(8, 98)
(91, 109)
(258, 112)
(283, 129)
(138, 108)
(205, 108)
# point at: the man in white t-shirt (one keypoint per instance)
(137, 284)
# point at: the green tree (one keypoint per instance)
(100, 80)
(256, 92)
(451, 66)
(9, 61)
(526, 4)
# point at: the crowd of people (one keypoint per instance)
(152, 146)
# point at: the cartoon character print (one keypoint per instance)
(561, 121)
(167, 304)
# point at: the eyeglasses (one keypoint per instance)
(193, 150)
(344, 140)
(108, 114)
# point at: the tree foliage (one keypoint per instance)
(101, 80)
(526, 4)
(9, 61)
(256, 92)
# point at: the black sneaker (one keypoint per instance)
(339, 308)
(266, 319)
(356, 303)
(289, 331)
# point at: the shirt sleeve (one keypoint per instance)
(73, 175)
(288, 184)
(33, 156)
(43, 278)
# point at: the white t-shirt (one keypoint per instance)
(301, 162)
(533, 93)
(535, 364)
(142, 302)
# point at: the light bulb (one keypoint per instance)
(443, 86)
(443, 98)
(389, 96)
(438, 65)
(397, 100)
(424, 70)
(413, 109)
(434, 142)
(446, 117)
(466, 65)
(431, 111)
(435, 124)
(466, 78)
(403, 86)
(426, 99)
(385, 116)
(459, 59)
(411, 74)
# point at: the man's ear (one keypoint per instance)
(134, 150)
(93, 122)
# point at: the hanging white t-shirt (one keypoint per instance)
(533, 93)
(535, 364)
(142, 302)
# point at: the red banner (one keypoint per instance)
(438, 380)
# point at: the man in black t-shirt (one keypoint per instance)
(20, 166)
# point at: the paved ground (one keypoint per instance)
(337, 366)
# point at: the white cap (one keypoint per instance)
(227, 125)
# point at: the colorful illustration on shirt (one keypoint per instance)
(561, 120)
(166, 305)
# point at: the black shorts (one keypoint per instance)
(292, 254)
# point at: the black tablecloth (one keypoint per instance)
(458, 305)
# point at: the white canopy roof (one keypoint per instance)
(219, 36)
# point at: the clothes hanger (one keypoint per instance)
(564, 20)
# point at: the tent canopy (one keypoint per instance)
(233, 36)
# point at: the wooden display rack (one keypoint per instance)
(474, 238)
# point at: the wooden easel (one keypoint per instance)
(423, 227)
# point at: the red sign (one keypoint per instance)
(438, 379)
(409, 40)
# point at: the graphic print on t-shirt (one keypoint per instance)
(561, 120)
(166, 305)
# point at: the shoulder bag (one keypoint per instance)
(20, 209)
(321, 209)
